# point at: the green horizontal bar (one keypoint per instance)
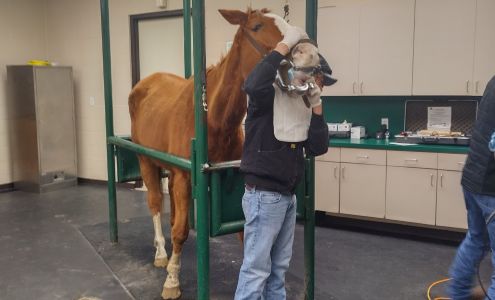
(229, 227)
(161, 156)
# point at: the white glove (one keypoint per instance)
(314, 96)
(293, 35)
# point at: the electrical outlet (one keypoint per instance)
(385, 122)
(92, 100)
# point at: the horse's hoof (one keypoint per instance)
(161, 262)
(171, 293)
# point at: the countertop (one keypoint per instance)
(391, 145)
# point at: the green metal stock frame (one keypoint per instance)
(201, 180)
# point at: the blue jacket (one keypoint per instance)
(478, 175)
(267, 162)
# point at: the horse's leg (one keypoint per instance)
(180, 232)
(172, 200)
(151, 177)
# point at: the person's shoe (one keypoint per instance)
(477, 293)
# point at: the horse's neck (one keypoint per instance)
(227, 101)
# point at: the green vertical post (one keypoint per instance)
(200, 127)
(309, 224)
(186, 5)
(107, 80)
(187, 38)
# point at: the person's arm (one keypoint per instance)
(317, 142)
(259, 83)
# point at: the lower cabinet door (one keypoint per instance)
(327, 177)
(362, 190)
(411, 194)
(451, 210)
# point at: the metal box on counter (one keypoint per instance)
(42, 127)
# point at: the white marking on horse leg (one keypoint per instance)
(171, 287)
(161, 258)
(279, 22)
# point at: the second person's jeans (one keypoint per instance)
(480, 239)
(268, 238)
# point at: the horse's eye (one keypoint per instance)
(257, 27)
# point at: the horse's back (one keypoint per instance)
(159, 107)
(156, 83)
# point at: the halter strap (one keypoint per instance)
(255, 44)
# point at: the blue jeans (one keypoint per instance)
(268, 238)
(479, 239)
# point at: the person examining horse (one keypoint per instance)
(280, 128)
(161, 110)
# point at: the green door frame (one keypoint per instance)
(199, 145)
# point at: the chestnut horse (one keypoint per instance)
(161, 108)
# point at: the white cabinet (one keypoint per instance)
(403, 186)
(338, 42)
(451, 210)
(362, 190)
(411, 195)
(369, 45)
(386, 47)
(327, 182)
(453, 47)
(484, 62)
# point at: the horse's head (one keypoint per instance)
(259, 32)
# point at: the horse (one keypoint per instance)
(161, 108)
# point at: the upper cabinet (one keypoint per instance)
(408, 47)
(338, 42)
(484, 47)
(444, 47)
(454, 46)
(369, 44)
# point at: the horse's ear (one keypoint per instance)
(234, 17)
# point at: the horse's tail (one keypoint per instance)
(137, 93)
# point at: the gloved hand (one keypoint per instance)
(314, 96)
(293, 35)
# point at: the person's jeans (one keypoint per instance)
(479, 239)
(268, 238)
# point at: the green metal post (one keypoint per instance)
(107, 80)
(192, 216)
(187, 38)
(186, 5)
(309, 224)
(200, 127)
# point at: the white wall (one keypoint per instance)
(22, 37)
(73, 38)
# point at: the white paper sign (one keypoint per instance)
(440, 118)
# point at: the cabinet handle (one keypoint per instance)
(411, 159)
(431, 179)
(363, 156)
(467, 86)
(476, 85)
(354, 87)
(343, 172)
(441, 180)
(335, 172)
(361, 87)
